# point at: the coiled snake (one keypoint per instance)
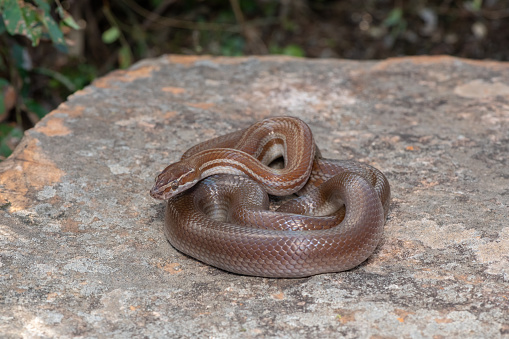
(218, 204)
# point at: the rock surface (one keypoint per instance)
(82, 250)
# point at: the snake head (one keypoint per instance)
(174, 179)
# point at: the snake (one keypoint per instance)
(220, 203)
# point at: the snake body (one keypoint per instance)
(218, 203)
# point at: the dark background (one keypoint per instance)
(117, 33)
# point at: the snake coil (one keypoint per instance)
(218, 208)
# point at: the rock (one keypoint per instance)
(82, 250)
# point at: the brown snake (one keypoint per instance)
(218, 206)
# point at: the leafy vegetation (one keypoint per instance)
(35, 22)
(51, 48)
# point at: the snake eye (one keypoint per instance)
(174, 184)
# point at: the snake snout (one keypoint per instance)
(173, 180)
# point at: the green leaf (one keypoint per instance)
(155, 3)
(111, 35)
(43, 5)
(18, 53)
(394, 17)
(2, 25)
(34, 107)
(293, 50)
(22, 18)
(67, 18)
(55, 34)
(125, 57)
(232, 46)
(6, 140)
(2, 104)
(475, 5)
(3, 84)
(57, 76)
(5, 129)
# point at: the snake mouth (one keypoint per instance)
(162, 190)
(156, 193)
(169, 190)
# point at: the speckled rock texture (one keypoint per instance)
(82, 249)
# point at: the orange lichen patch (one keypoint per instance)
(104, 82)
(172, 268)
(495, 65)
(189, 60)
(443, 320)
(346, 316)
(431, 274)
(125, 76)
(402, 314)
(426, 184)
(51, 296)
(70, 226)
(278, 296)
(81, 92)
(26, 171)
(173, 90)
(141, 72)
(53, 127)
(388, 63)
(72, 112)
(427, 60)
(319, 106)
(169, 115)
(202, 105)
(469, 279)
(391, 251)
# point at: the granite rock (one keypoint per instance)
(82, 250)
